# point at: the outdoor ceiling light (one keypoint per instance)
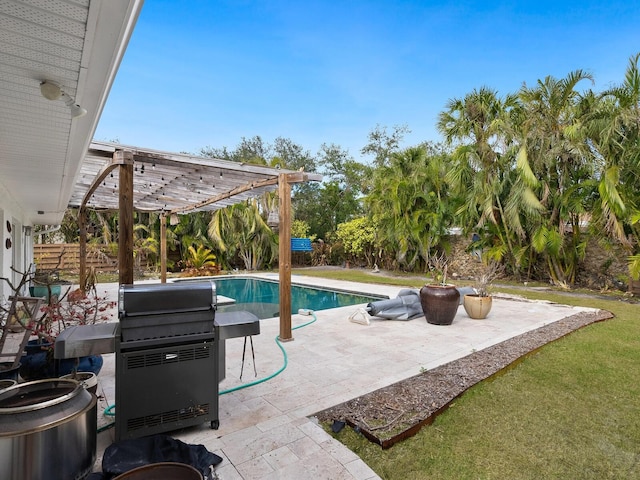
(53, 91)
(50, 90)
(76, 110)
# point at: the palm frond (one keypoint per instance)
(634, 266)
(539, 239)
(522, 164)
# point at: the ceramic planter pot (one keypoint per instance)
(6, 383)
(439, 303)
(43, 291)
(168, 470)
(8, 371)
(477, 307)
(38, 363)
(88, 380)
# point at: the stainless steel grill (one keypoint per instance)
(166, 358)
(170, 354)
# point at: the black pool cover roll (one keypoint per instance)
(404, 307)
(120, 457)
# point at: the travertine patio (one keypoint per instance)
(267, 431)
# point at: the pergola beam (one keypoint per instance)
(117, 160)
(226, 195)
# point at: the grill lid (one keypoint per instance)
(163, 298)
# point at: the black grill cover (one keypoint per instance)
(120, 457)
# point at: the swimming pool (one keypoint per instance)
(261, 297)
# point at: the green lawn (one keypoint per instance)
(571, 411)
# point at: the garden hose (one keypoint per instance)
(109, 411)
(284, 356)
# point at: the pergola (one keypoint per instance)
(123, 178)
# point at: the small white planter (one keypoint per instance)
(6, 383)
(88, 380)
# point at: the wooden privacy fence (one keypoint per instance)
(46, 256)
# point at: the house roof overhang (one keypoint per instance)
(78, 45)
(47, 159)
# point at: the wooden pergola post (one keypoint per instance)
(163, 247)
(284, 256)
(82, 224)
(125, 216)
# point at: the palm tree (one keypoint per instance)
(614, 129)
(239, 230)
(145, 240)
(105, 227)
(555, 162)
(482, 169)
(408, 204)
(190, 230)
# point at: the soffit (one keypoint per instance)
(78, 44)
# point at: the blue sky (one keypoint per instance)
(208, 72)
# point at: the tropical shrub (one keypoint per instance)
(200, 263)
(358, 238)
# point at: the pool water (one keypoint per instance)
(261, 297)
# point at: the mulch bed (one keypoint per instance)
(398, 411)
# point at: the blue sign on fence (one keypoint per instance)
(301, 245)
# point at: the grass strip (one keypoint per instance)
(568, 412)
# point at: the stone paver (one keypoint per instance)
(267, 430)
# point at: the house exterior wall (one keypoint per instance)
(16, 248)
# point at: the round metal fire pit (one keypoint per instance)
(164, 470)
(47, 430)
